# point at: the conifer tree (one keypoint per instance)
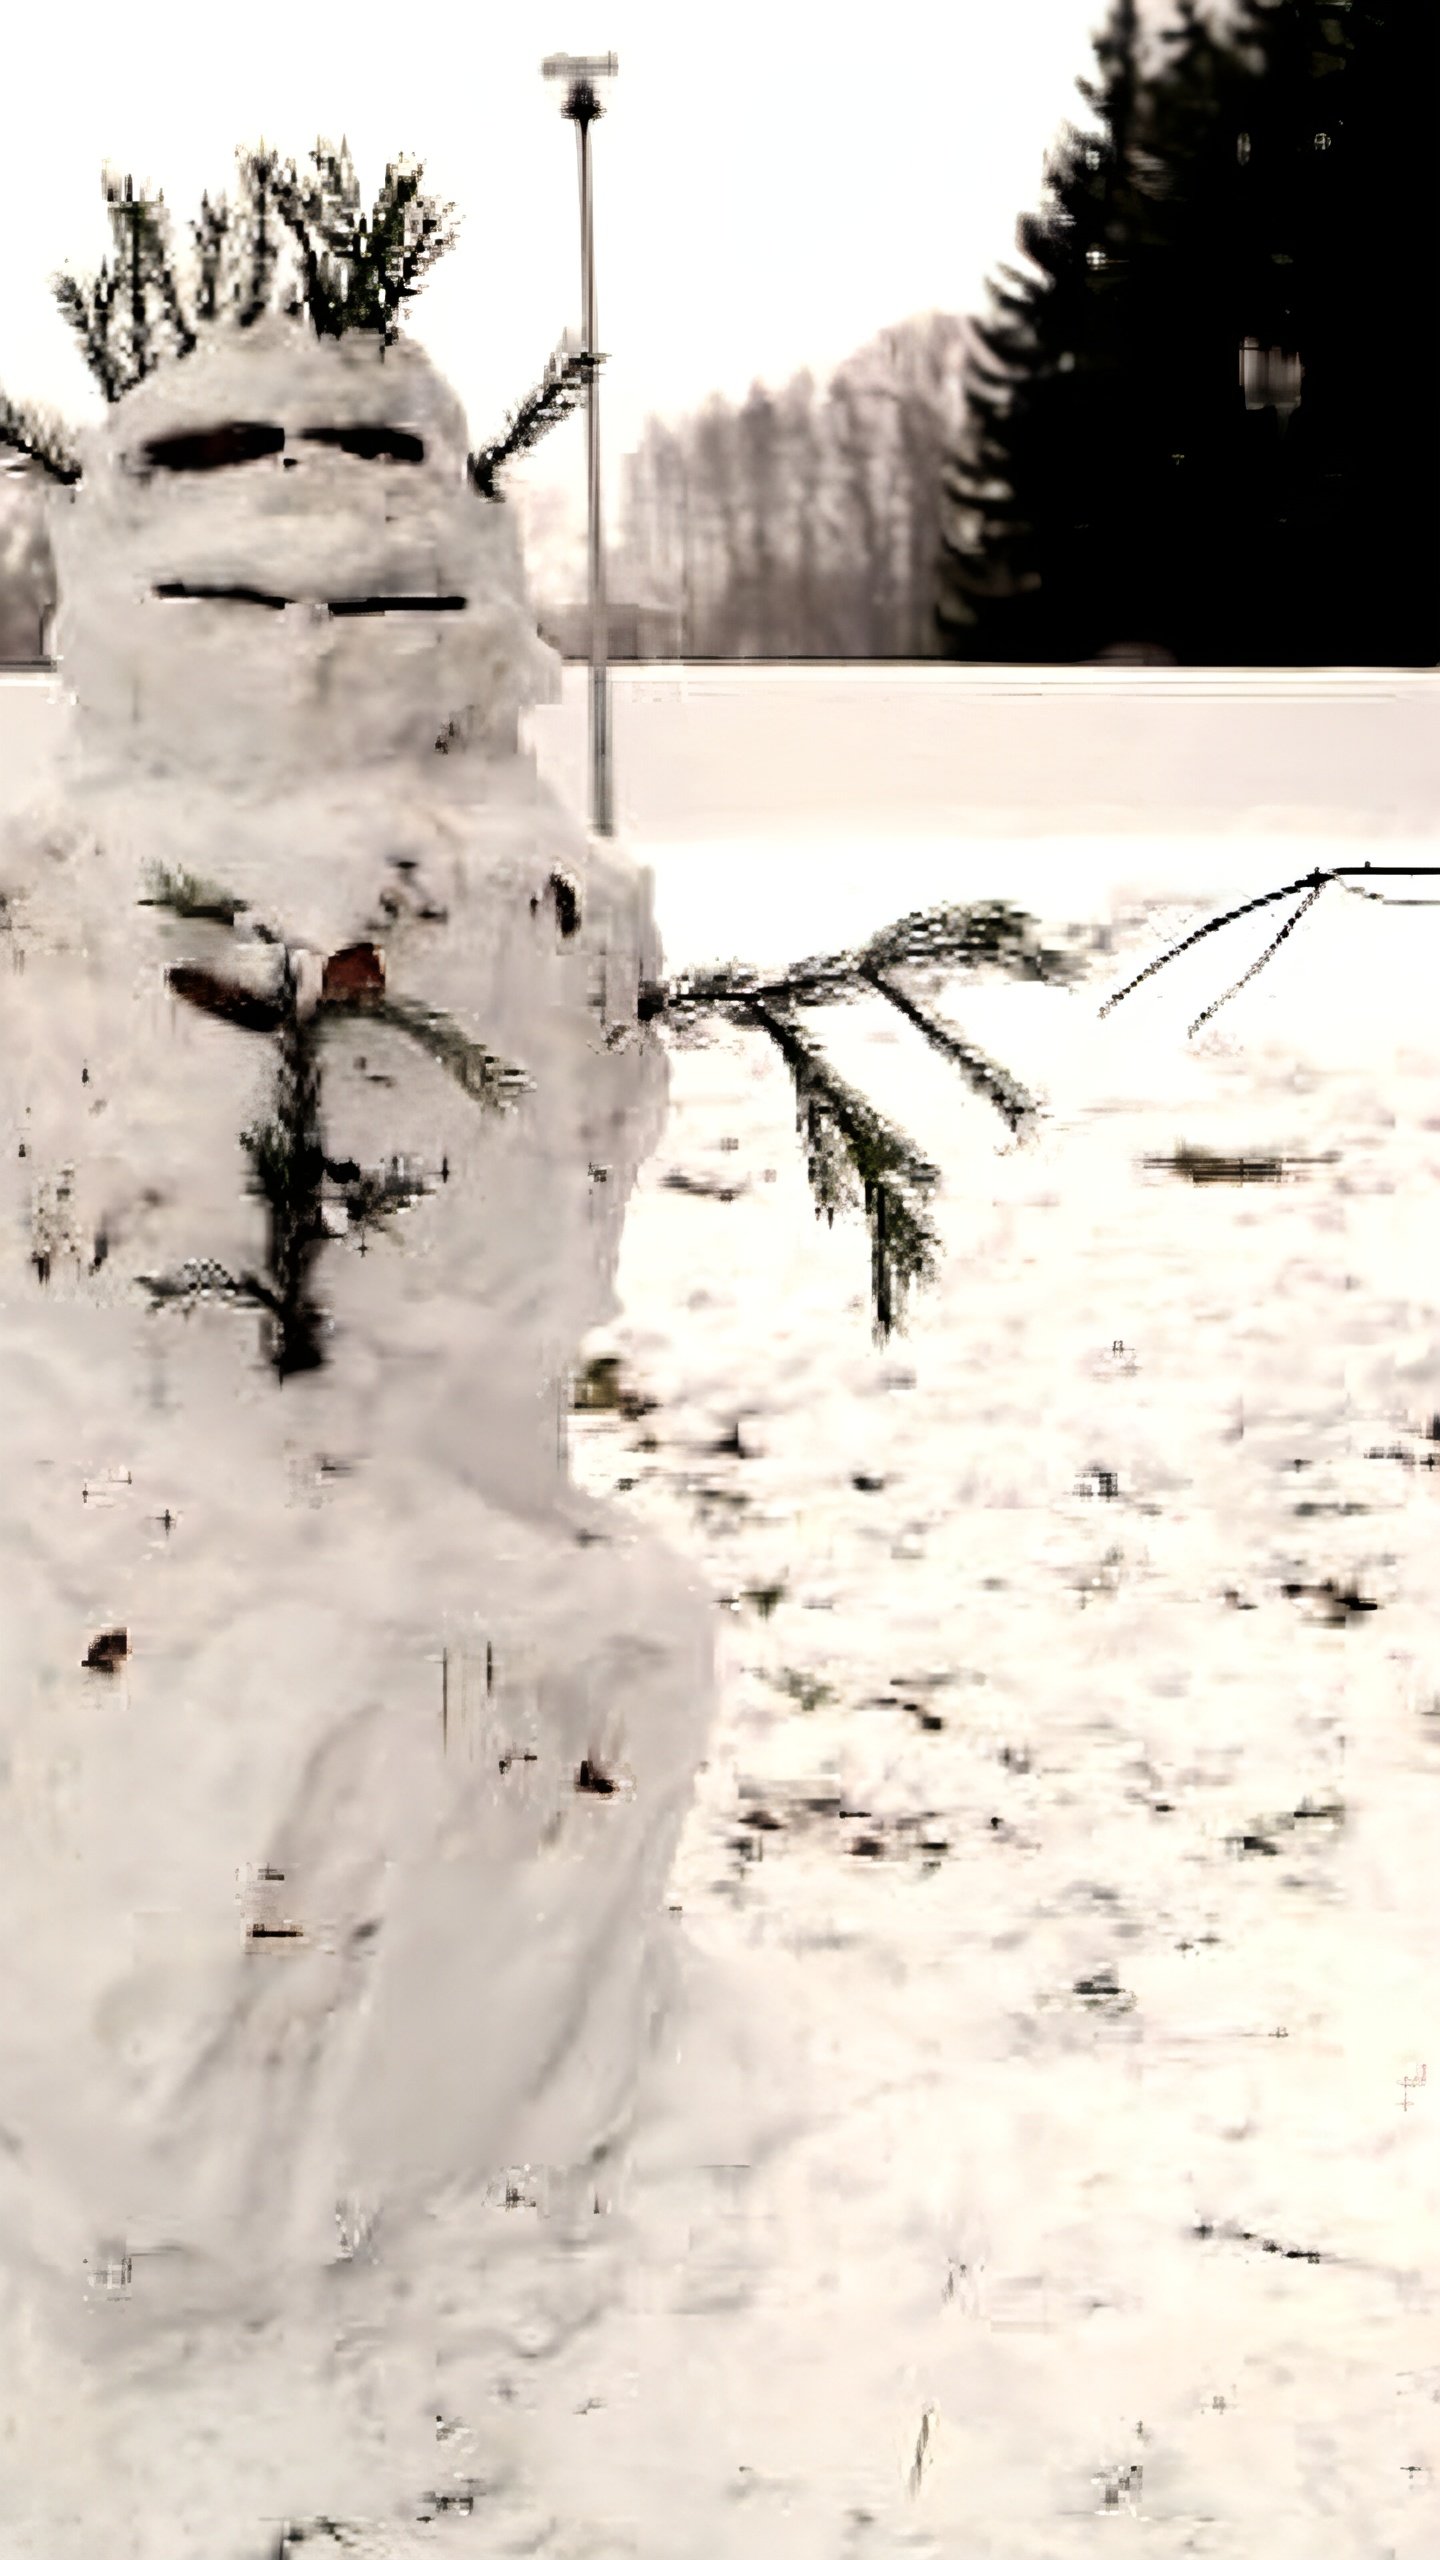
(1030, 567)
(1346, 225)
(1266, 182)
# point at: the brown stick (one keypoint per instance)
(1310, 880)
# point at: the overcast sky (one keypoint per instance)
(774, 182)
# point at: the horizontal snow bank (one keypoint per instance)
(706, 751)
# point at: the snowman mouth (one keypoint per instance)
(182, 588)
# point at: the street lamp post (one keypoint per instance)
(580, 74)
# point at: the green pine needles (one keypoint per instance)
(851, 1150)
(296, 239)
(852, 1153)
(561, 385)
(42, 440)
(287, 1172)
(359, 270)
(289, 1169)
(485, 1078)
(185, 894)
(854, 1157)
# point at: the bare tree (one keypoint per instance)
(805, 522)
(807, 631)
(715, 487)
(855, 435)
(760, 461)
(925, 361)
(27, 570)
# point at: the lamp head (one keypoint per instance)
(581, 73)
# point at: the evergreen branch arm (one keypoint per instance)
(41, 439)
(183, 893)
(990, 935)
(372, 1199)
(169, 292)
(408, 231)
(985, 1076)
(207, 1280)
(87, 308)
(127, 226)
(287, 1168)
(281, 189)
(226, 998)
(130, 314)
(209, 235)
(848, 1143)
(476, 1070)
(256, 243)
(553, 398)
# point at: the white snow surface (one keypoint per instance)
(1040, 2139)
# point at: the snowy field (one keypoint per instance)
(1045, 2143)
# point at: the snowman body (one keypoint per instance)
(343, 1745)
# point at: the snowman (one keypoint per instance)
(344, 1744)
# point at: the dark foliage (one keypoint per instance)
(41, 439)
(851, 1152)
(289, 1167)
(555, 395)
(1205, 419)
(297, 239)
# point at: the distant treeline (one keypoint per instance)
(1199, 423)
(27, 572)
(802, 523)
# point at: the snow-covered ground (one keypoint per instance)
(1045, 2140)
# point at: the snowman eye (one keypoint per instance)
(248, 440)
(370, 444)
(213, 449)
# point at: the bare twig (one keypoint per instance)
(1256, 966)
(1268, 898)
(1346, 875)
(1353, 889)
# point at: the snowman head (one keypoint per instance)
(274, 566)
